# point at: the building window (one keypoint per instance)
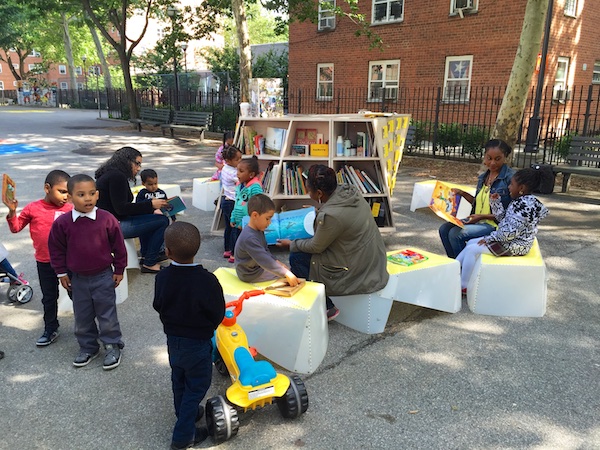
(0, 68)
(64, 85)
(35, 54)
(1, 85)
(571, 8)
(62, 69)
(324, 81)
(596, 74)
(80, 86)
(461, 7)
(32, 67)
(560, 80)
(160, 33)
(326, 15)
(15, 84)
(385, 11)
(384, 76)
(78, 70)
(16, 67)
(457, 78)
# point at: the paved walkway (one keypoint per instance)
(432, 380)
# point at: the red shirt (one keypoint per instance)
(39, 215)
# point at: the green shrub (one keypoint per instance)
(473, 140)
(422, 128)
(561, 147)
(449, 135)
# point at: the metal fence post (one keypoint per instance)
(588, 107)
(436, 121)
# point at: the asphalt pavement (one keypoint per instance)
(432, 380)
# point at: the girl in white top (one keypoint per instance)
(231, 157)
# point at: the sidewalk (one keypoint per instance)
(431, 380)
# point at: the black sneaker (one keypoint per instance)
(47, 338)
(112, 359)
(84, 358)
(201, 435)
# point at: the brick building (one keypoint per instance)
(456, 44)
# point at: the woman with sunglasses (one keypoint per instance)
(137, 219)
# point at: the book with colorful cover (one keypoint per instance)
(283, 289)
(445, 203)
(406, 258)
(9, 189)
(294, 224)
(274, 140)
(175, 206)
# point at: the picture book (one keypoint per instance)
(294, 224)
(8, 190)
(406, 258)
(175, 206)
(274, 140)
(445, 203)
(282, 288)
(306, 136)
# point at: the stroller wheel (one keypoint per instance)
(11, 293)
(22, 294)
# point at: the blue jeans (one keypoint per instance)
(300, 266)
(455, 238)
(150, 228)
(7, 267)
(191, 374)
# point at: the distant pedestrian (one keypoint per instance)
(190, 302)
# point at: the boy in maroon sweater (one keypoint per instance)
(84, 242)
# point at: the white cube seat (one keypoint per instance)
(433, 283)
(133, 262)
(290, 331)
(204, 193)
(509, 285)
(423, 190)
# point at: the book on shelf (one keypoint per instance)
(247, 139)
(283, 289)
(9, 190)
(293, 179)
(259, 144)
(300, 149)
(174, 206)
(275, 140)
(306, 136)
(378, 210)
(406, 258)
(444, 203)
(359, 178)
(294, 224)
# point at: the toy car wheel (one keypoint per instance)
(220, 366)
(295, 400)
(24, 293)
(221, 419)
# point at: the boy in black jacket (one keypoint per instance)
(191, 305)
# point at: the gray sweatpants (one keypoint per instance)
(94, 299)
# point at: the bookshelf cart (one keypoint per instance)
(373, 172)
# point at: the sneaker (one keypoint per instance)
(84, 358)
(21, 278)
(464, 291)
(227, 254)
(47, 338)
(332, 313)
(231, 259)
(201, 435)
(112, 359)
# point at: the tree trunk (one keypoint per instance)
(69, 55)
(513, 104)
(239, 13)
(100, 52)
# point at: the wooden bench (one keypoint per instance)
(154, 117)
(583, 159)
(188, 121)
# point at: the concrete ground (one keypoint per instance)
(431, 380)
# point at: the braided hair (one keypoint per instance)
(528, 177)
(500, 144)
(252, 164)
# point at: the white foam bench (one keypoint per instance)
(423, 190)
(509, 285)
(290, 331)
(65, 304)
(204, 193)
(434, 283)
(133, 261)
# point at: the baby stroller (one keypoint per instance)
(18, 291)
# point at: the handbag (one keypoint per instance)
(498, 249)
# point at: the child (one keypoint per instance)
(40, 215)
(91, 262)
(253, 260)
(190, 302)
(151, 190)
(517, 225)
(219, 157)
(232, 156)
(247, 172)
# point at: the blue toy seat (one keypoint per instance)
(252, 373)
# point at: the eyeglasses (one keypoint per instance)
(137, 163)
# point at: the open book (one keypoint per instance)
(175, 206)
(406, 258)
(8, 190)
(294, 224)
(445, 203)
(283, 289)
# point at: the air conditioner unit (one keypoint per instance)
(561, 95)
(327, 23)
(463, 4)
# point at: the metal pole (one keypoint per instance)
(533, 130)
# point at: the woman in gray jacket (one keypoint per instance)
(346, 253)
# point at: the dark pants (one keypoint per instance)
(300, 266)
(150, 228)
(94, 298)
(191, 374)
(230, 234)
(49, 285)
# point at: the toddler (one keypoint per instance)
(517, 225)
(219, 157)
(232, 156)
